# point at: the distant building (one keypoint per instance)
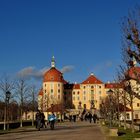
(57, 94)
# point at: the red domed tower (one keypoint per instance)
(53, 83)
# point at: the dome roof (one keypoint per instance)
(53, 75)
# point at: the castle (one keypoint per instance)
(58, 92)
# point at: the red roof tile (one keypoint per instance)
(56, 108)
(134, 73)
(92, 80)
(40, 92)
(53, 75)
(113, 85)
(76, 86)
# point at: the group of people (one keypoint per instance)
(88, 116)
(40, 120)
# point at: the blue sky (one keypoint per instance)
(84, 35)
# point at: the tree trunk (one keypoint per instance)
(124, 110)
(33, 118)
(132, 115)
(21, 121)
(4, 127)
(118, 109)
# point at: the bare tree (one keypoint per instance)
(131, 54)
(22, 92)
(33, 101)
(6, 85)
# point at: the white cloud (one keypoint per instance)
(67, 68)
(31, 72)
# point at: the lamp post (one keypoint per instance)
(6, 114)
(109, 94)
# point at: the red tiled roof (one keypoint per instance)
(56, 108)
(113, 85)
(76, 86)
(134, 73)
(53, 75)
(64, 81)
(40, 92)
(92, 80)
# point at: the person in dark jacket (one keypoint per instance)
(38, 120)
(43, 120)
(90, 117)
(95, 117)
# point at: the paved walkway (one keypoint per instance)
(64, 131)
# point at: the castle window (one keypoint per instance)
(73, 93)
(138, 104)
(58, 90)
(51, 90)
(58, 85)
(136, 116)
(92, 86)
(127, 116)
(52, 78)
(78, 92)
(92, 91)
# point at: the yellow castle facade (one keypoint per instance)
(57, 94)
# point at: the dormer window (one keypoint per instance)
(52, 78)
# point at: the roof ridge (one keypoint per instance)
(92, 79)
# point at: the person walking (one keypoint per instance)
(38, 120)
(43, 120)
(52, 119)
(90, 117)
(94, 117)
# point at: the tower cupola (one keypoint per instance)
(53, 62)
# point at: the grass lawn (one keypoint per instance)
(128, 136)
